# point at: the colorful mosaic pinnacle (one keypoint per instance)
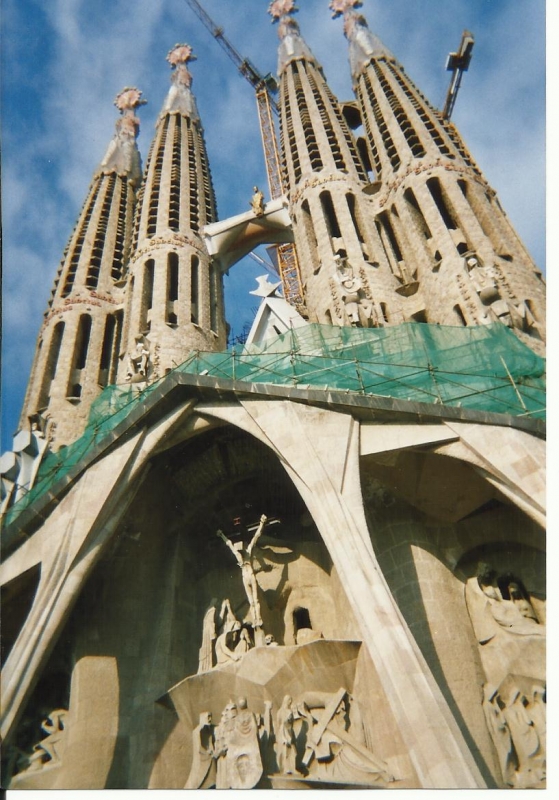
(129, 98)
(281, 8)
(339, 7)
(180, 54)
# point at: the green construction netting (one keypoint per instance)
(484, 368)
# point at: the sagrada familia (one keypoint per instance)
(314, 559)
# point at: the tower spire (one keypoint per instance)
(180, 98)
(122, 156)
(174, 294)
(363, 44)
(292, 45)
(78, 345)
(442, 230)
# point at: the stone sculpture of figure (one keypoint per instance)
(138, 360)
(512, 651)
(244, 560)
(332, 752)
(206, 652)
(49, 750)
(227, 643)
(352, 293)
(222, 735)
(286, 751)
(244, 762)
(257, 202)
(201, 776)
(483, 279)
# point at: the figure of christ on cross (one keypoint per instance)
(243, 556)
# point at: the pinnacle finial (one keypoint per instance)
(129, 99)
(281, 8)
(339, 7)
(180, 54)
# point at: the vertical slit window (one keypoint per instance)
(118, 316)
(175, 188)
(194, 290)
(193, 184)
(417, 214)
(435, 188)
(79, 242)
(351, 204)
(82, 342)
(305, 117)
(156, 180)
(330, 215)
(460, 314)
(107, 350)
(387, 140)
(147, 294)
(117, 269)
(214, 278)
(291, 145)
(400, 115)
(386, 226)
(172, 287)
(310, 234)
(96, 257)
(50, 365)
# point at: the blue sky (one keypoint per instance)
(64, 61)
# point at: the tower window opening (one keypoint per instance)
(51, 365)
(78, 244)
(400, 115)
(310, 234)
(173, 277)
(172, 286)
(387, 140)
(118, 317)
(354, 216)
(194, 290)
(175, 188)
(305, 117)
(193, 184)
(117, 268)
(82, 341)
(147, 294)
(214, 279)
(156, 180)
(326, 120)
(386, 227)
(330, 215)
(417, 214)
(209, 196)
(384, 311)
(443, 206)
(92, 278)
(107, 350)
(287, 123)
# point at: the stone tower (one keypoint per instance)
(346, 275)
(174, 295)
(440, 223)
(79, 343)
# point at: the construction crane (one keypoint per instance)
(457, 63)
(264, 86)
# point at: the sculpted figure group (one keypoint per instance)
(310, 741)
(512, 647)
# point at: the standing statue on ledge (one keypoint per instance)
(257, 202)
(244, 560)
(138, 361)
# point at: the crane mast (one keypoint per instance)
(264, 86)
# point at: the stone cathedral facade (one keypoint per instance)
(315, 561)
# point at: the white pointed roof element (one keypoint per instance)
(231, 239)
(292, 45)
(363, 45)
(122, 155)
(180, 99)
(274, 316)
